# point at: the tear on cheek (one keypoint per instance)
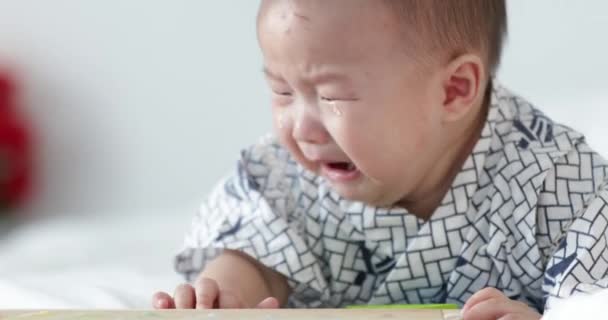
(335, 108)
(281, 121)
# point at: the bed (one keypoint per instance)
(114, 262)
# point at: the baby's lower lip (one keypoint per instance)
(339, 175)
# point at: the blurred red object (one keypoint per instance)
(15, 149)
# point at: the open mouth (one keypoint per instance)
(340, 171)
(342, 166)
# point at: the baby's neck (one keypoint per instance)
(439, 181)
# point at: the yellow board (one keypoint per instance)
(247, 314)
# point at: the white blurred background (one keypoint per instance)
(141, 105)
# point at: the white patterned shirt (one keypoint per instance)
(527, 214)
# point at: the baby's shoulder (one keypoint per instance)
(538, 165)
(525, 135)
(518, 121)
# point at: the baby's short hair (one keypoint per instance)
(453, 27)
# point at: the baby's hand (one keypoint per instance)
(491, 304)
(205, 294)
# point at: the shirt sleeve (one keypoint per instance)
(579, 264)
(254, 211)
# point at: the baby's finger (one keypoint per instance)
(184, 297)
(520, 316)
(162, 300)
(490, 309)
(206, 293)
(482, 295)
(228, 300)
(269, 303)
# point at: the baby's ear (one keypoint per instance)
(462, 86)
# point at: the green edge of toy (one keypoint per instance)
(406, 306)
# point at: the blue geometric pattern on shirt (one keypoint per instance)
(526, 214)
(541, 128)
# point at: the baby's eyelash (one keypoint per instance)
(333, 100)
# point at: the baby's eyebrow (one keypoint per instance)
(322, 77)
(328, 77)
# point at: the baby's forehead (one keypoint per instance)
(337, 20)
(339, 12)
(346, 37)
(340, 21)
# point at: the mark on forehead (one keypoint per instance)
(291, 12)
(295, 12)
(301, 16)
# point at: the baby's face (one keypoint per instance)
(347, 101)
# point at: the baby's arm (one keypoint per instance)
(232, 280)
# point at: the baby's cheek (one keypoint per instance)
(358, 136)
(282, 127)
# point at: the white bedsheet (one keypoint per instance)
(113, 263)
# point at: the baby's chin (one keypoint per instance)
(363, 193)
(579, 307)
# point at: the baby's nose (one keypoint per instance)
(308, 128)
